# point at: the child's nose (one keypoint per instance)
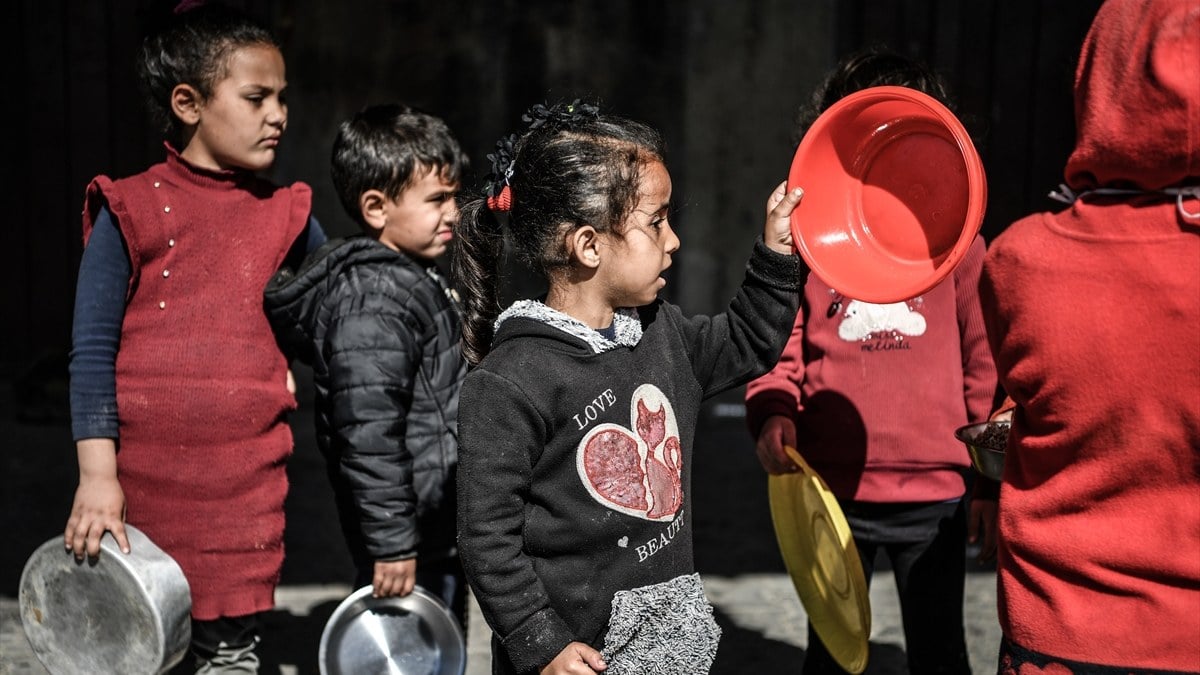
(672, 239)
(277, 116)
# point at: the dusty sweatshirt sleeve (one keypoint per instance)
(728, 349)
(496, 448)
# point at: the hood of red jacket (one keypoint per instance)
(1137, 97)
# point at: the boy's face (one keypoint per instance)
(420, 222)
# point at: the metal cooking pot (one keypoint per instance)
(119, 613)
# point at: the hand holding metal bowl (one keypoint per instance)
(411, 635)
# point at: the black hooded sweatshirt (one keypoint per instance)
(575, 451)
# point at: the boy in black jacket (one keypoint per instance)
(381, 330)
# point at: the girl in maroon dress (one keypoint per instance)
(179, 392)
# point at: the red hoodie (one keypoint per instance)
(1093, 315)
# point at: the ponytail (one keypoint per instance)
(475, 266)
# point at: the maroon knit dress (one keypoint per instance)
(201, 384)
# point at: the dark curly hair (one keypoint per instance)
(873, 67)
(568, 169)
(193, 47)
(381, 148)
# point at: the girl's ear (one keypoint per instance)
(372, 206)
(583, 246)
(186, 103)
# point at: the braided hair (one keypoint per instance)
(571, 166)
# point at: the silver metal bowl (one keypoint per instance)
(412, 635)
(118, 613)
(983, 445)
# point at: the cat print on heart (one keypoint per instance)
(635, 470)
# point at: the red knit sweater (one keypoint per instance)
(1094, 317)
(877, 391)
(201, 385)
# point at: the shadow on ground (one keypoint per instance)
(748, 651)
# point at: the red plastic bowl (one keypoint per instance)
(894, 194)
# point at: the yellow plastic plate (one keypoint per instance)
(819, 553)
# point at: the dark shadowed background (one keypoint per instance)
(721, 79)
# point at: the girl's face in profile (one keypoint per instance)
(635, 259)
(240, 124)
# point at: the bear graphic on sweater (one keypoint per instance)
(864, 319)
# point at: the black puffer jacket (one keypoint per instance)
(382, 334)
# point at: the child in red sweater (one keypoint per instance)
(173, 362)
(870, 395)
(1093, 314)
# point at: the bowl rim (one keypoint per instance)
(960, 433)
(418, 595)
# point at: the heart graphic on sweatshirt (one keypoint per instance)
(636, 473)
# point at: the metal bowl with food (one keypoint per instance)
(986, 443)
(413, 635)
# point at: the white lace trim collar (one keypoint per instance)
(627, 326)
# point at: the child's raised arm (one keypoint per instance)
(745, 341)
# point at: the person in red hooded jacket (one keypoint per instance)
(1093, 316)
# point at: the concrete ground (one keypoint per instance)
(759, 612)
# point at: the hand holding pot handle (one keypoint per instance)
(99, 500)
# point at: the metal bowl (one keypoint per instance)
(983, 445)
(412, 635)
(118, 613)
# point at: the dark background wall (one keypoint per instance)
(721, 79)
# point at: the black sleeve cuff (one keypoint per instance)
(776, 270)
(537, 641)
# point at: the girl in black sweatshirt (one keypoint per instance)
(577, 425)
